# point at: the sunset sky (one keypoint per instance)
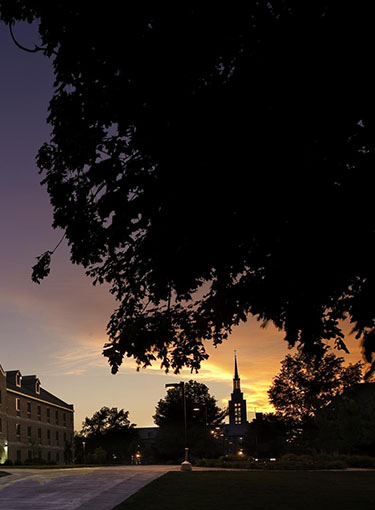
(57, 329)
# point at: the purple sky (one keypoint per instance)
(57, 329)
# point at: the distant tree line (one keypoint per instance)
(109, 436)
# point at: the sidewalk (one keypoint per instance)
(74, 489)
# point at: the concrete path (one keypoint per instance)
(74, 489)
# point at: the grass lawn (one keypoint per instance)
(291, 490)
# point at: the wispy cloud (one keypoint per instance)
(75, 360)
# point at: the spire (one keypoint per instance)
(235, 366)
(236, 379)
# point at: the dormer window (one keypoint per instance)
(37, 386)
(18, 379)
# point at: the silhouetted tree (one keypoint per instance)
(305, 386)
(79, 452)
(347, 424)
(109, 429)
(267, 435)
(106, 420)
(226, 150)
(68, 452)
(203, 415)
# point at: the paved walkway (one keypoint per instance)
(74, 489)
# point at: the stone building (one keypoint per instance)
(33, 423)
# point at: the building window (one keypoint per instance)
(57, 457)
(49, 456)
(64, 419)
(48, 415)
(29, 432)
(1, 398)
(237, 413)
(40, 434)
(18, 405)
(37, 386)
(19, 455)
(64, 437)
(57, 437)
(18, 429)
(29, 409)
(39, 412)
(57, 417)
(29, 454)
(18, 379)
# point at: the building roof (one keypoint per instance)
(147, 432)
(234, 430)
(27, 389)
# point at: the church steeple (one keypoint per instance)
(236, 380)
(237, 404)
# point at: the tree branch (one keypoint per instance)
(36, 48)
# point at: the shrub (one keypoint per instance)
(289, 457)
(358, 461)
(234, 458)
(202, 463)
(307, 459)
(336, 464)
(216, 463)
(322, 457)
(291, 462)
(36, 461)
(99, 456)
(237, 465)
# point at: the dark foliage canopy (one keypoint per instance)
(106, 421)
(214, 162)
(202, 416)
(110, 432)
(267, 436)
(201, 407)
(305, 386)
(347, 425)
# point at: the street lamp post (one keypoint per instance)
(205, 413)
(185, 466)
